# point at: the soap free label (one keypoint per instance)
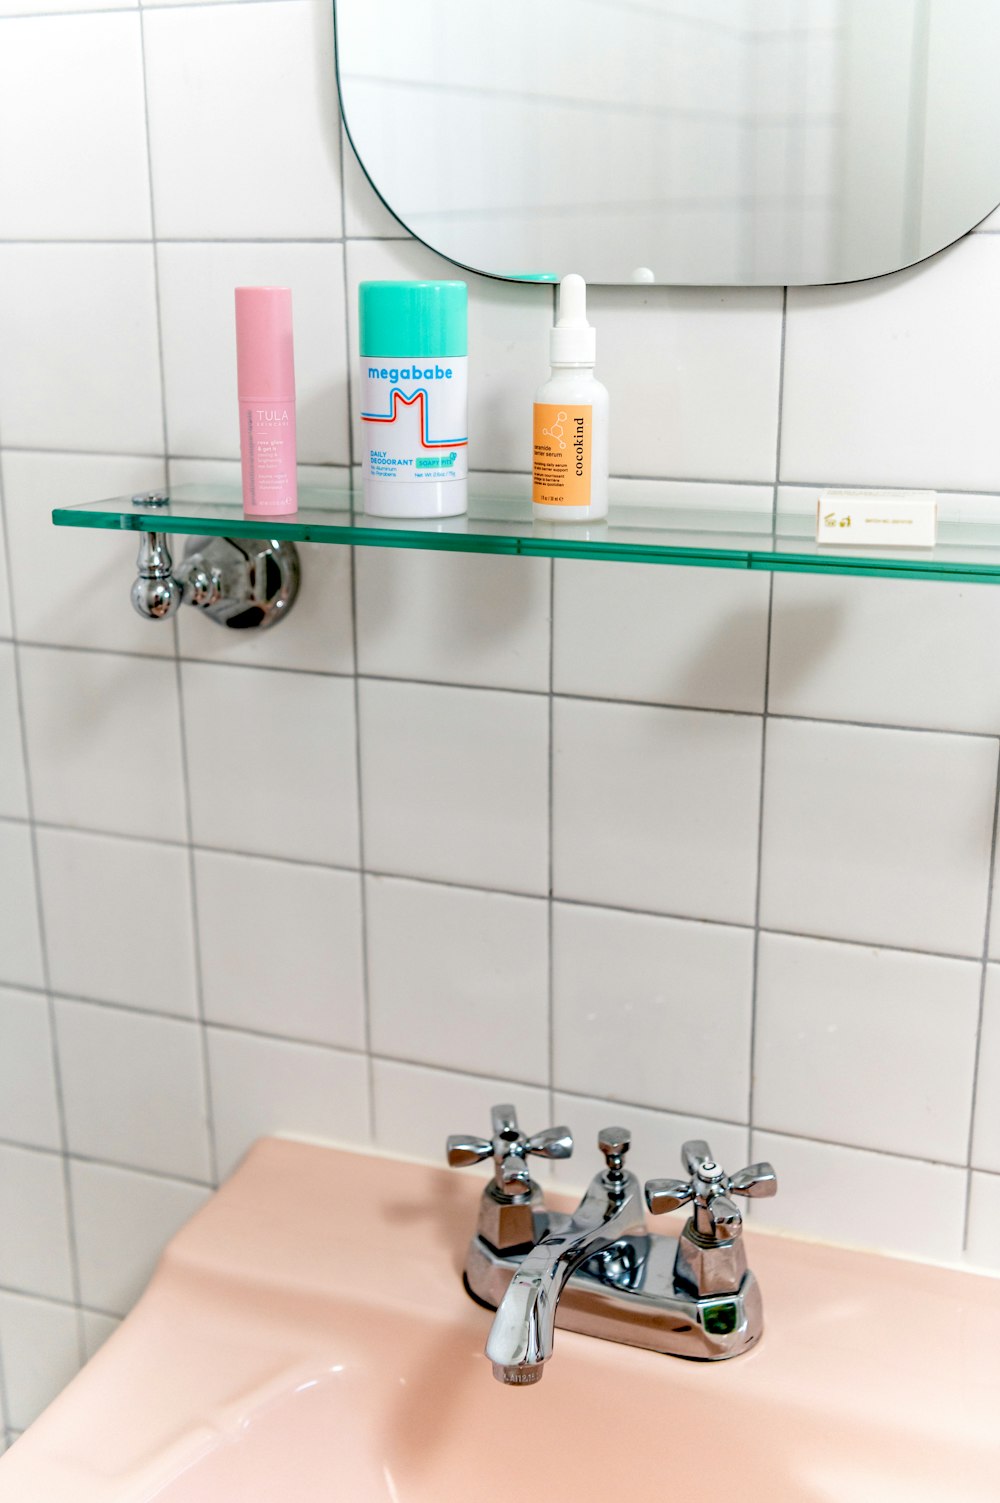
(877, 519)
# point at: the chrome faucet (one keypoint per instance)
(599, 1271)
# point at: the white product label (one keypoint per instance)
(858, 519)
(414, 414)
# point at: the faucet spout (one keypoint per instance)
(521, 1339)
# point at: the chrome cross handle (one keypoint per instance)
(710, 1190)
(509, 1149)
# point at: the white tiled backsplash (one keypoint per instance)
(703, 850)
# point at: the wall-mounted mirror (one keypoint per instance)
(727, 142)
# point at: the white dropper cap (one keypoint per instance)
(572, 341)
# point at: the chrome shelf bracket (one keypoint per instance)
(246, 584)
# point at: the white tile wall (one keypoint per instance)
(95, 357)
(72, 118)
(133, 1089)
(878, 835)
(986, 1136)
(695, 637)
(34, 1224)
(40, 1348)
(639, 1001)
(371, 950)
(262, 1086)
(455, 784)
(20, 937)
(96, 892)
(243, 121)
(296, 741)
(872, 1048)
(29, 1110)
(656, 809)
(281, 948)
(461, 618)
(445, 963)
(896, 382)
(122, 1221)
(104, 742)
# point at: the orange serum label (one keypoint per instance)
(561, 469)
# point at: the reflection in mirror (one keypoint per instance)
(737, 142)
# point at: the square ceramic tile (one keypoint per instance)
(199, 343)
(40, 1351)
(461, 618)
(6, 619)
(842, 1195)
(281, 948)
(657, 1139)
(272, 1087)
(243, 121)
(986, 1132)
(75, 165)
(34, 1230)
(133, 1089)
(97, 897)
(281, 779)
(85, 602)
(13, 790)
(20, 940)
(47, 7)
(886, 650)
(876, 835)
(104, 741)
(365, 215)
(508, 345)
(455, 784)
(459, 978)
(96, 1330)
(123, 1221)
(416, 1109)
(983, 1244)
(78, 322)
(636, 1000)
(873, 1048)
(693, 377)
(694, 637)
(894, 381)
(657, 809)
(28, 1110)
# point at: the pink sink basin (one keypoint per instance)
(306, 1340)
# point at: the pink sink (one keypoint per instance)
(306, 1339)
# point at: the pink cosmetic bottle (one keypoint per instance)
(265, 369)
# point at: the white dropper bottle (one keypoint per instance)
(570, 468)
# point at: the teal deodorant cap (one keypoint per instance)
(413, 318)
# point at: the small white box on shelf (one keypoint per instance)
(875, 519)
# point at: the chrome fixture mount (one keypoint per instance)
(246, 584)
(599, 1271)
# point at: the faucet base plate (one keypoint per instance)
(628, 1294)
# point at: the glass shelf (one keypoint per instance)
(968, 548)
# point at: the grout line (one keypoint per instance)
(674, 707)
(54, 1299)
(355, 643)
(68, 1209)
(563, 899)
(781, 411)
(981, 1014)
(199, 974)
(549, 902)
(755, 962)
(758, 875)
(74, 1157)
